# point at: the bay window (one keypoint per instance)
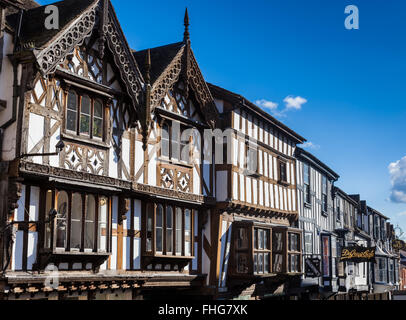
(381, 270)
(169, 230)
(260, 251)
(81, 223)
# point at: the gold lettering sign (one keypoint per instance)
(357, 254)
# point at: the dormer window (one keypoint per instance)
(84, 115)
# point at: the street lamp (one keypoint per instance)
(59, 147)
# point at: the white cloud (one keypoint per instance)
(402, 214)
(266, 104)
(294, 103)
(397, 171)
(310, 145)
(291, 103)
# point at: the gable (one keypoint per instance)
(81, 20)
(175, 65)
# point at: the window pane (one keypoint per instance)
(242, 263)
(188, 232)
(85, 116)
(277, 241)
(98, 109)
(150, 215)
(175, 141)
(71, 112)
(260, 263)
(260, 239)
(169, 230)
(255, 238)
(266, 262)
(242, 240)
(255, 262)
(103, 213)
(179, 240)
(266, 239)
(165, 141)
(89, 222)
(98, 128)
(61, 226)
(76, 224)
(159, 224)
(293, 242)
(48, 208)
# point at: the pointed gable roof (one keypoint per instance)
(168, 64)
(161, 57)
(78, 20)
(33, 30)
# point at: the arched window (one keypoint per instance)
(76, 221)
(61, 226)
(159, 228)
(72, 112)
(89, 221)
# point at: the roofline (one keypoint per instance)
(237, 98)
(301, 153)
(345, 195)
(377, 212)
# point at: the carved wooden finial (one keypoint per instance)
(148, 67)
(186, 35)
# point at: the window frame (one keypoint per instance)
(180, 144)
(67, 249)
(307, 191)
(282, 180)
(152, 235)
(294, 253)
(324, 195)
(80, 94)
(249, 251)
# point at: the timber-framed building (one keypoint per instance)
(113, 184)
(85, 187)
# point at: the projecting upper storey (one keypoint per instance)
(261, 174)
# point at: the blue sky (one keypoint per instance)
(353, 80)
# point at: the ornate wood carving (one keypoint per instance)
(49, 58)
(48, 171)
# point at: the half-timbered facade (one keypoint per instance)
(352, 276)
(259, 246)
(101, 174)
(317, 220)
